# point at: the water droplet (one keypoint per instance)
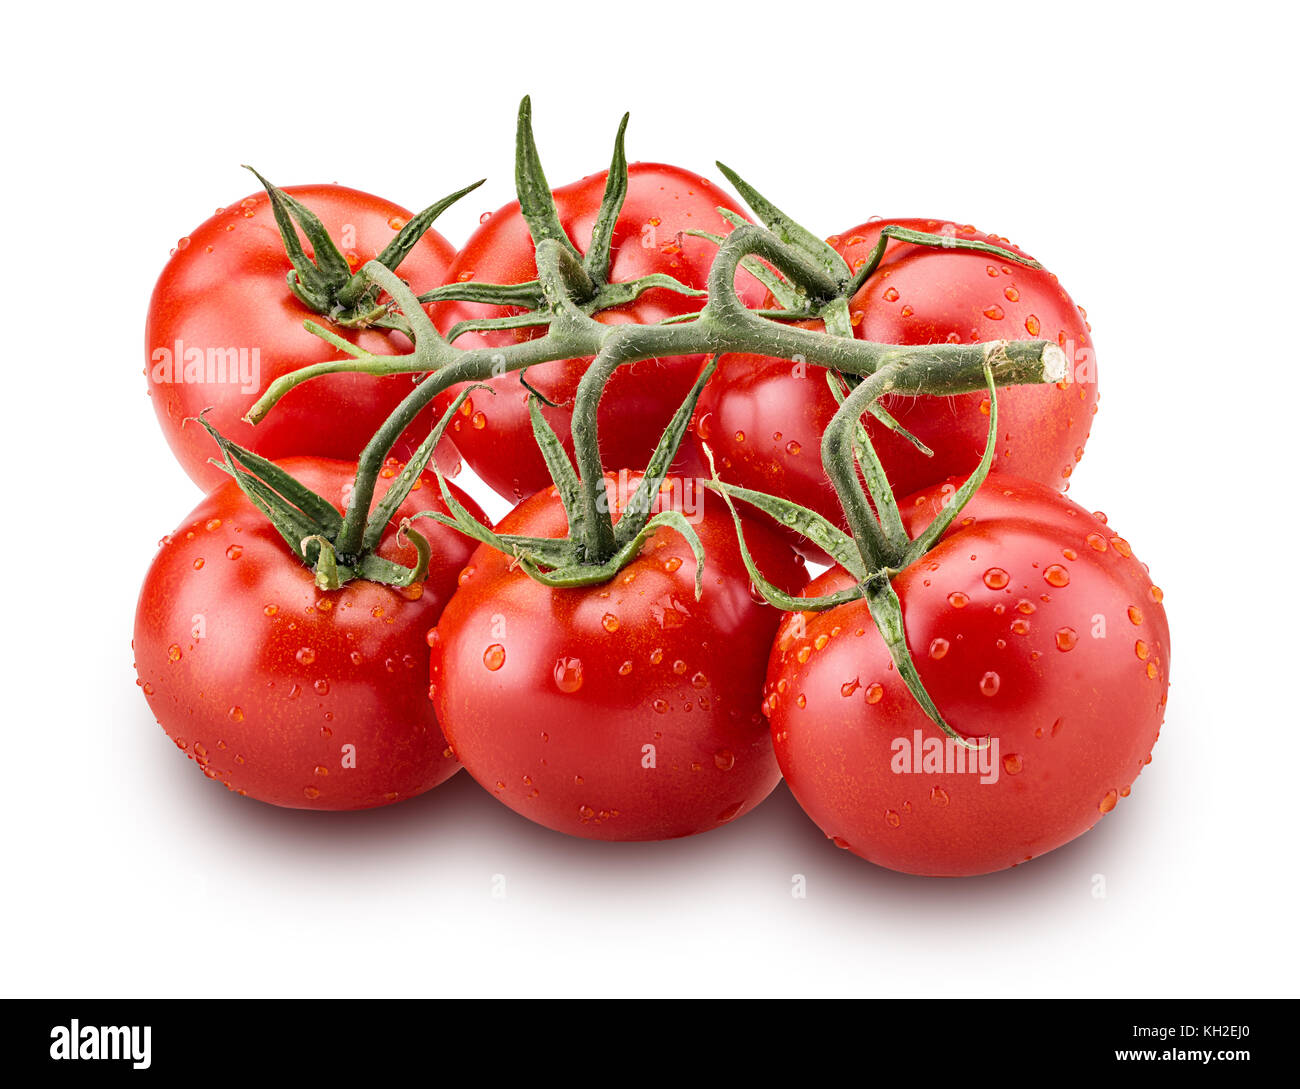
(874, 693)
(990, 683)
(1156, 594)
(306, 655)
(1134, 614)
(1108, 801)
(849, 687)
(724, 760)
(322, 687)
(174, 653)
(310, 793)
(938, 796)
(609, 622)
(938, 648)
(958, 600)
(1056, 575)
(568, 674)
(792, 448)
(1012, 763)
(1066, 639)
(994, 312)
(995, 578)
(892, 818)
(730, 813)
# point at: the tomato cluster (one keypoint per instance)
(337, 626)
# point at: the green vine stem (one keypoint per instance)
(571, 287)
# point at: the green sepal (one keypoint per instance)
(822, 532)
(770, 592)
(923, 238)
(316, 282)
(872, 469)
(528, 295)
(790, 232)
(637, 510)
(887, 612)
(490, 325)
(536, 204)
(596, 261)
(321, 514)
(557, 462)
(926, 540)
(386, 509)
(586, 574)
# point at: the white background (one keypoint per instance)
(1146, 157)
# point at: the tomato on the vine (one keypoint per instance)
(625, 710)
(662, 204)
(764, 417)
(287, 693)
(1031, 624)
(223, 325)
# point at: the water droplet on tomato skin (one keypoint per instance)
(1134, 614)
(874, 693)
(958, 600)
(995, 578)
(305, 656)
(938, 648)
(849, 687)
(724, 760)
(1057, 576)
(609, 622)
(1066, 639)
(892, 818)
(1013, 764)
(1108, 801)
(840, 842)
(236, 714)
(990, 683)
(568, 674)
(174, 653)
(730, 813)
(938, 796)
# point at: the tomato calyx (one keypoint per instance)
(878, 548)
(325, 282)
(310, 524)
(823, 292)
(586, 283)
(596, 547)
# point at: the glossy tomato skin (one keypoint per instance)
(764, 417)
(493, 432)
(224, 289)
(1030, 622)
(283, 692)
(623, 711)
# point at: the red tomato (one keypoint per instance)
(1031, 623)
(293, 695)
(223, 325)
(621, 711)
(663, 202)
(764, 417)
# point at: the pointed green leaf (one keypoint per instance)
(637, 511)
(788, 230)
(536, 203)
(596, 261)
